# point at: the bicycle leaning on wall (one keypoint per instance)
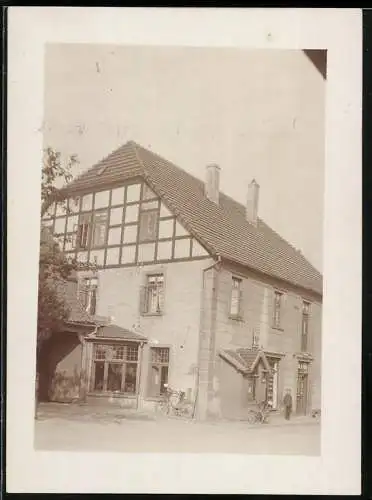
(260, 414)
(173, 403)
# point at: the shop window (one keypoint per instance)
(115, 368)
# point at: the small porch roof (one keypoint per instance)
(111, 331)
(245, 359)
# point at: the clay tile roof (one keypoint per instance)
(244, 358)
(221, 228)
(67, 291)
(117, 332)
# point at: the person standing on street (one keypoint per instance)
(287, 402)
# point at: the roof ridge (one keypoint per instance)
(241, 205)
(96, 165)
(221, 228)
(163, 194)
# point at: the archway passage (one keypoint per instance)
(51, 352)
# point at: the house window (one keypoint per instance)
(236, 298)
(305, 325)
(88, 294)
(153, 299)
(115, 368)
(272, 383)
(277, 309)
(148, 225)
(158, 371)
(99, 229)
(84, 230)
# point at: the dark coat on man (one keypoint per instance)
(287, 401)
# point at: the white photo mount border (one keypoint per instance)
(337, 30)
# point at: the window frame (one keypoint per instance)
(277, 325)
(151, 364)
(239, 314)
(83, 289)
(123, 362)
(95, 216)
(305, 316)
(85, 219)
(145, 300)
(149, 237)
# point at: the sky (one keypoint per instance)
(256, 113)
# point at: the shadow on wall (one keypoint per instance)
(53, 350)
(65, 388)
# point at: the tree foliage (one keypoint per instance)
(54, 268)
(53, 172)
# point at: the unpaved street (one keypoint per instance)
(132, 434)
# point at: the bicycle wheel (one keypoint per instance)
(252, 417)
(163, 408)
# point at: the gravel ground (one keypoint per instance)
(60, 429)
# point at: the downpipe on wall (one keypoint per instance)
(217, 266)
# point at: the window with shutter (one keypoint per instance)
(152, 295)
(83, 231)
(88, 294)
(99, 229)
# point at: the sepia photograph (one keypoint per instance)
(180, 284)
(184, 251)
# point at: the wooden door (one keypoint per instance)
(302, 387)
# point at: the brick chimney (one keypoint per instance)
(252, 202)
(212, 183)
